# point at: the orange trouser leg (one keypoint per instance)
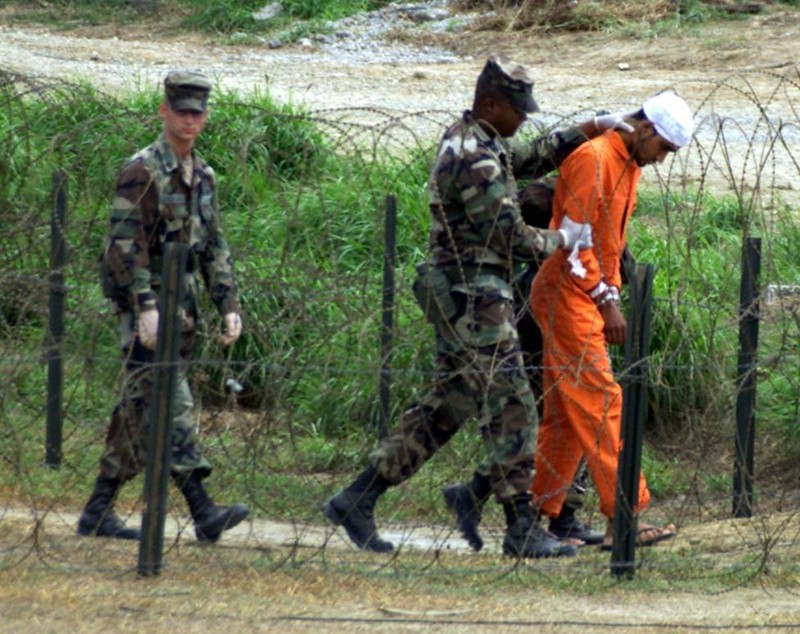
(593, 405)
(558, 450)
(583, 405)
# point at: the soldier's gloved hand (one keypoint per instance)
(233, 328)
(576, 235)
(613, 121)
(148, 328)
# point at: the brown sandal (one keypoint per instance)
(661, 534)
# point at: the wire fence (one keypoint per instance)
(307, 241)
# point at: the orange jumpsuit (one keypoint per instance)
(582, 401)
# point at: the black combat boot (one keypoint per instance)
(98, 518)
(567, 526)
(525, 538)
(352, 508)
(209, 519)
(466, 500)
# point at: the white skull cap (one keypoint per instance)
(671, 116)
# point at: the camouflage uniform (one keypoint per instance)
(479, 240)
(160, 199)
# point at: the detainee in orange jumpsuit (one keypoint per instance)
(575, 300)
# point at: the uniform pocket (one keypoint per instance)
(432, 291)
(489, 315)
(173, 207)
(206, 207)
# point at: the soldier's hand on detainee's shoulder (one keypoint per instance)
(575, 234)
(613, 121)
(233, 328)
(148, 328)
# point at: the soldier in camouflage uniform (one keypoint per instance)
(165, 193)
(535, 200)
(477, 243)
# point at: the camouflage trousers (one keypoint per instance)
(479, 374)
(126, 442)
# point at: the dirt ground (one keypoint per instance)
(83, 586)
(266, 576)
(574, 71)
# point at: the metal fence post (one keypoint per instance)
(165, 381)
(389, 256)
(56, 303)
(746, 379)
(634, 408)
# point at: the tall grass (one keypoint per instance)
(297, 18)
(696, 243)
(304, 212)
(696, 253)
(231, 16)
(218, 17)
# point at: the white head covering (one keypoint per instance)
(671, 116)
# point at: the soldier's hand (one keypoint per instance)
(148, 328)
(233, 328)
(613, 121)
(575, 234)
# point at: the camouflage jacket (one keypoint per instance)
(475, 215)
(158, 201)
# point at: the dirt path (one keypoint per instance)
(574, 71)
(84, 585)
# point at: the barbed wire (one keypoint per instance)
(309, 359)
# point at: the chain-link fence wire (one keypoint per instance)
(303, 198)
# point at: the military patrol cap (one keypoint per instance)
(187, 90)
(512, 80)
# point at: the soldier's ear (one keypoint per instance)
(491, 103)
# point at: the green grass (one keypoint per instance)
(231, 19)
